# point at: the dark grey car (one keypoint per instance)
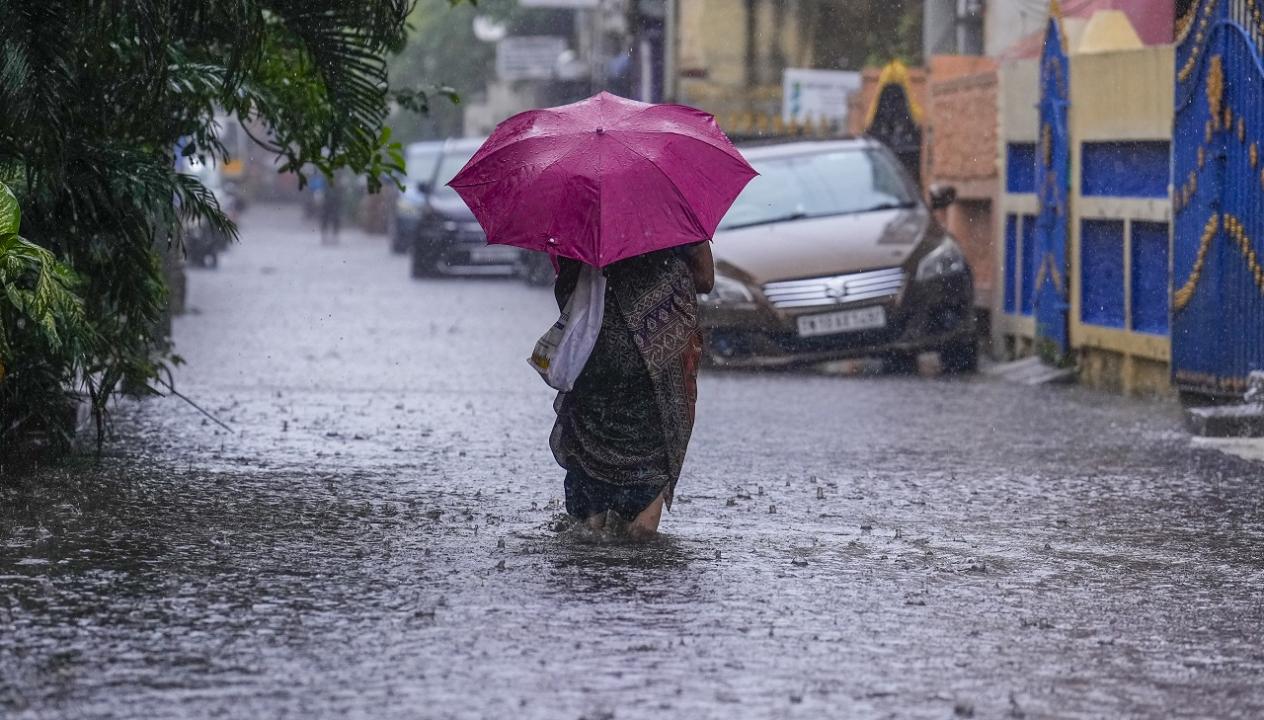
(449, 241)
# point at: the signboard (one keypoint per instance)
(573, 4)
(815, 95)
(530, 57)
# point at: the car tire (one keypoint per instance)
(708, 359)
(538, 271)
(900, 363)
(1193, 398)
(399, 244)
(423, 264)
(960, 358)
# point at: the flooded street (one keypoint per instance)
(377, 537)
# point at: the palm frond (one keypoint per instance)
(97, 99)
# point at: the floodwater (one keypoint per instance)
(378, 536)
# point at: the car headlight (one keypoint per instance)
(407, 208)
(947, 259)
(728, 291)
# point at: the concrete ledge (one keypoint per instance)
(1231, 421)
(1245, 448)
(1031, 371)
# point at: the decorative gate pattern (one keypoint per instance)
(1218, 171)
(1052, 297)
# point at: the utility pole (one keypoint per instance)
(671, 52)
(597, 53)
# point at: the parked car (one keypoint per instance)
(449, 241)
(203, 243)
(538, 270)
(420, 161)
(830, 254)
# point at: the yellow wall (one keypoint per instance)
(1123, 95)
(713, 55)
(1118, 96)
(1018, 122)
(1019, 95)
(713, 40)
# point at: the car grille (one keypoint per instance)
(469, 237)
(835, 290)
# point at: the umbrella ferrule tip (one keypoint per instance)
(601, 131)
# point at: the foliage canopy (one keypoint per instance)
(95, 98)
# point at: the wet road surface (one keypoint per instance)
(377, 537)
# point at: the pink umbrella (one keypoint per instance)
(603, 179)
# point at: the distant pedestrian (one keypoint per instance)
(331, 212)
(622, 432)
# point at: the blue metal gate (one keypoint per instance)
(1218, 198)
(1051, 290)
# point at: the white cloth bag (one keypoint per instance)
(562, 352)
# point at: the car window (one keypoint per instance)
(819, 185)
(421, 164)
(449, 166)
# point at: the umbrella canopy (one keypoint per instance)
(603, 179)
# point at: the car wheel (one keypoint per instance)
(961, 357)
(423, 264)
(900, 363)
(399, 243)
(709, 359)
(538, 271)
(1193, 398)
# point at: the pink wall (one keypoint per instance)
(1154, 20)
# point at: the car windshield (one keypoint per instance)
(819, 185)
(421, 164)
(449, 166)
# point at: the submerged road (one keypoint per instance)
(378, 537)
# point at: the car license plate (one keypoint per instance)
(493, 254)
(843, 321)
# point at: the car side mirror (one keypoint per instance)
(424, 187)
(941, 196)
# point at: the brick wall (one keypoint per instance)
(961, 141)
(960, 150)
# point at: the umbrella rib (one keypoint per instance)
(694, 138)
(522, 193)
(501, 149)
(644, 110)
(683, 201)
(543, 111)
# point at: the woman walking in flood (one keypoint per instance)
(625, 196)
(622, 432)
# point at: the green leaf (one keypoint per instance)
(451, 94)
(96, 98)
(10, 213)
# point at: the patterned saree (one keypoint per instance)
(628, 420)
